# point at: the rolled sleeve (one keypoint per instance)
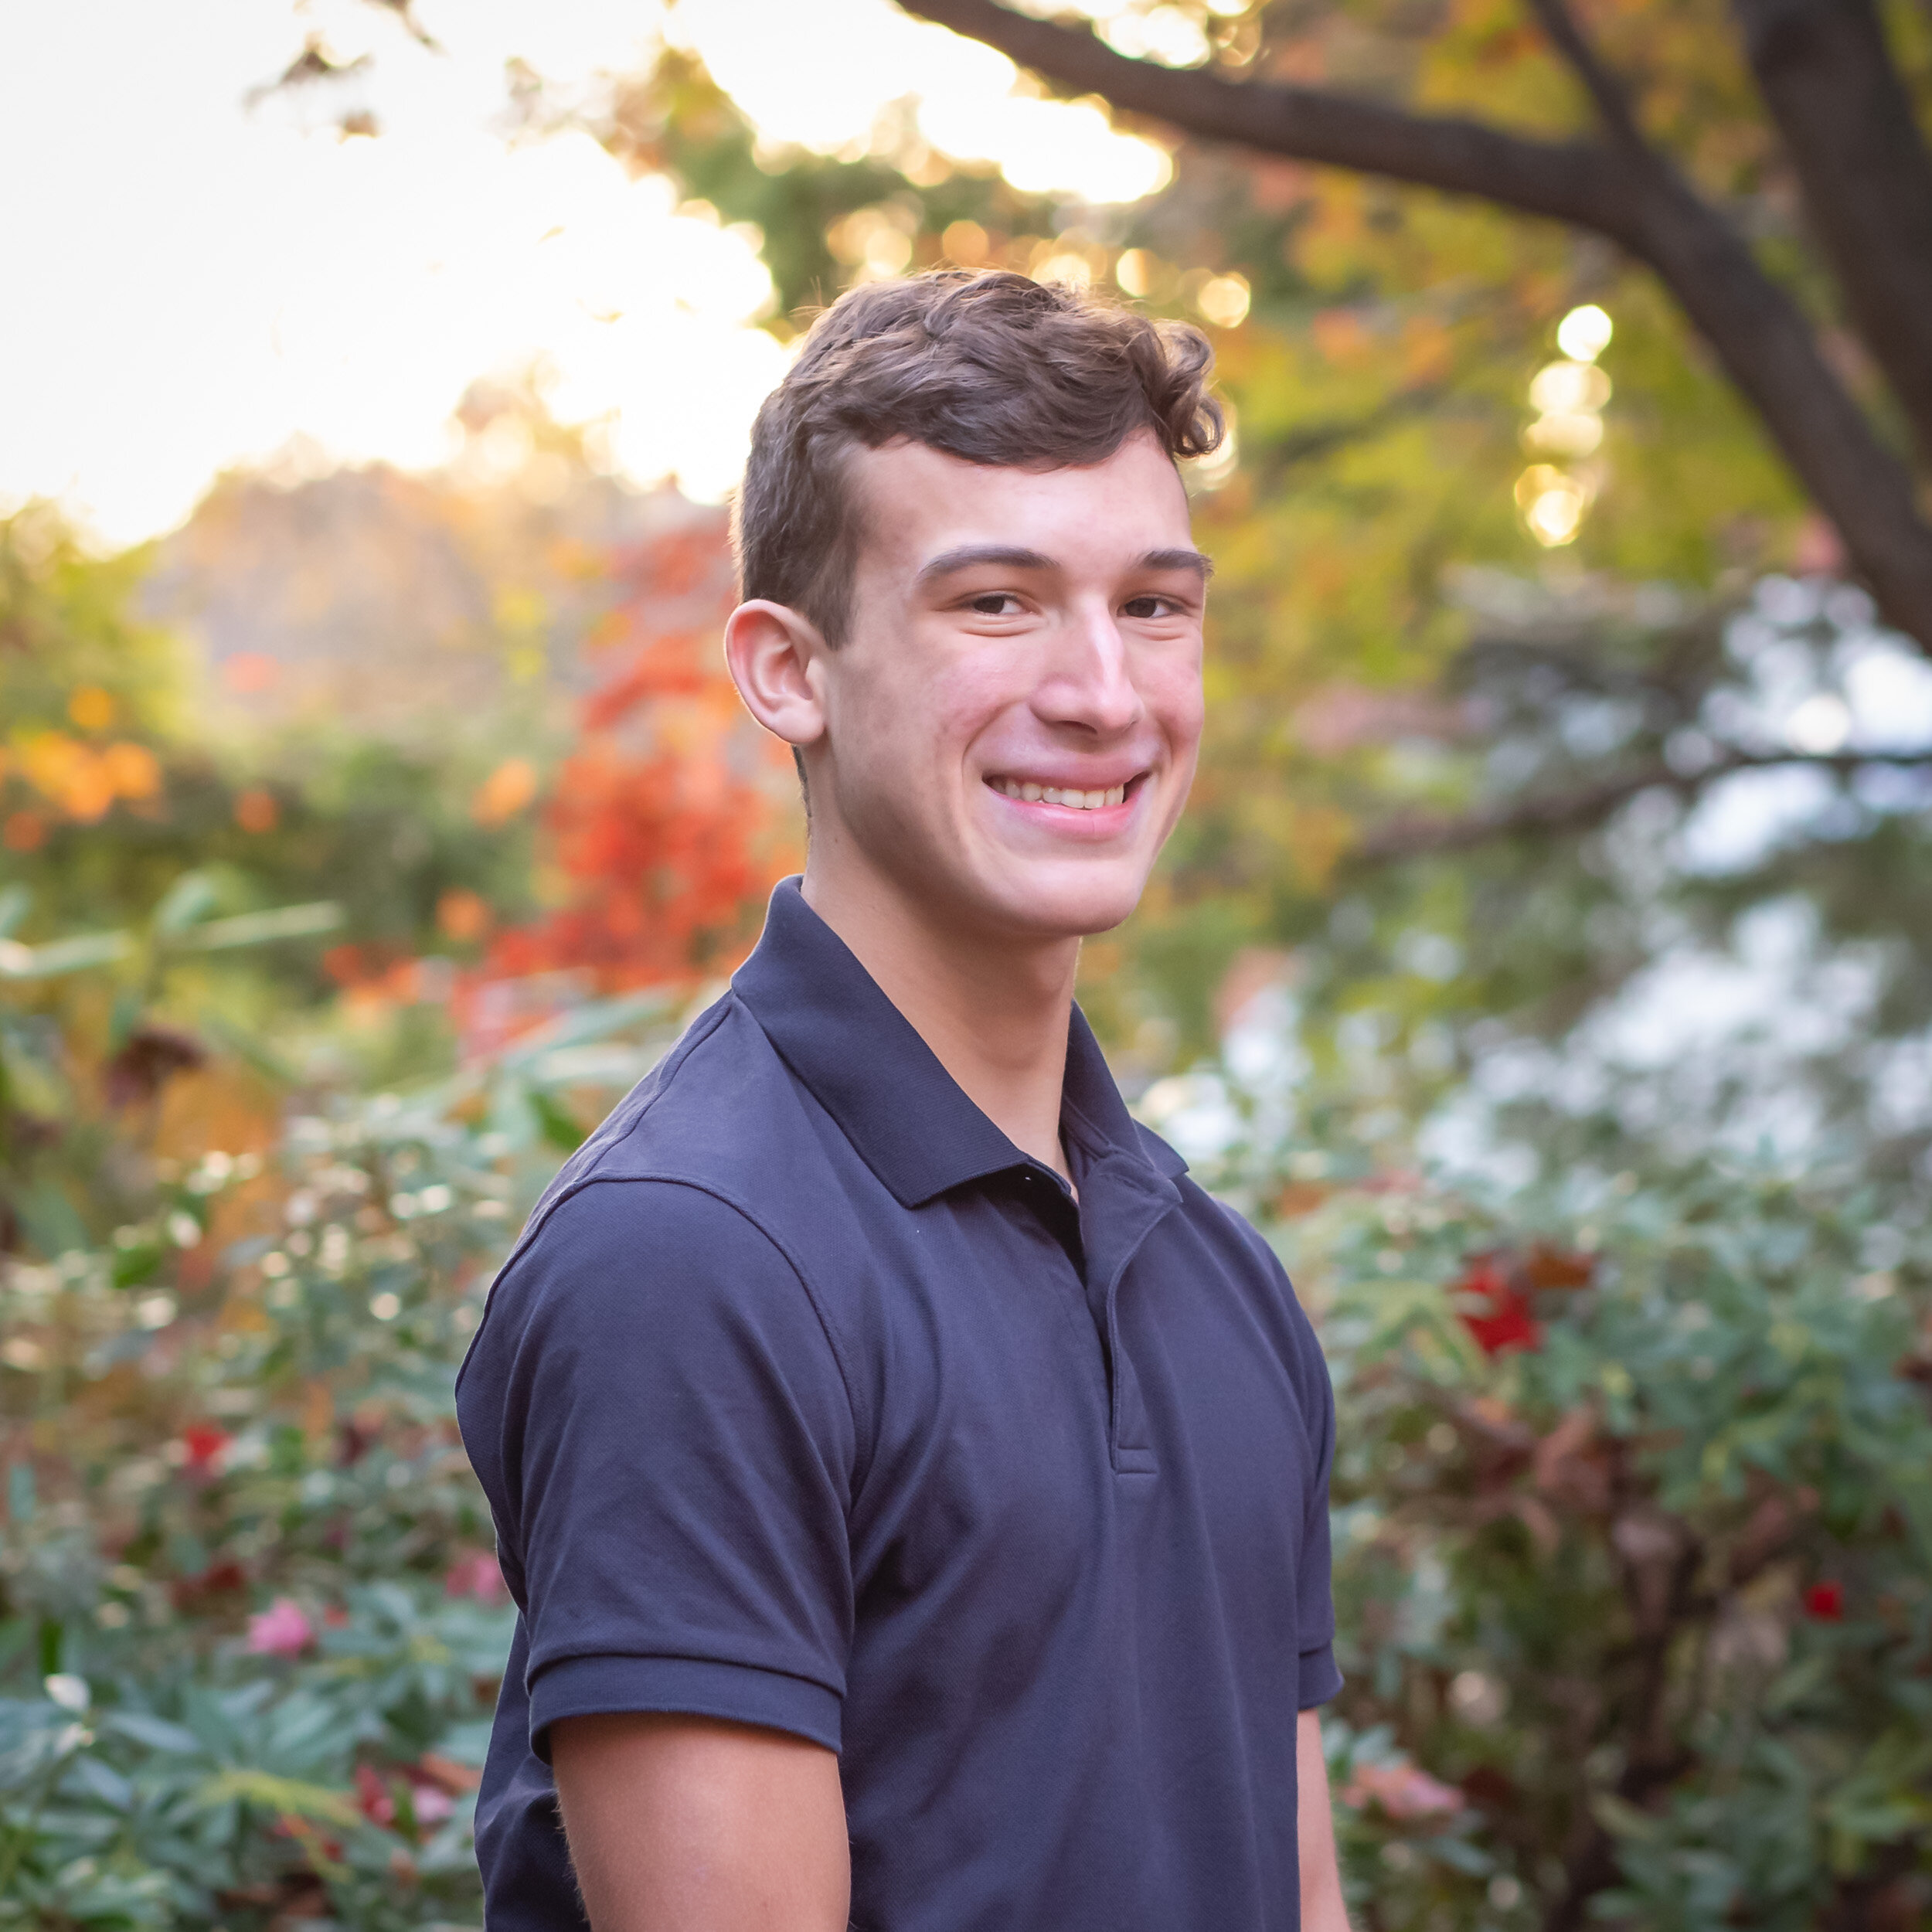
(662, 1427)
(697, 1686)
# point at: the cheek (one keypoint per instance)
(1175, 700)
(963, 696)
(914, 713)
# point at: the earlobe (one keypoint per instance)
(771, 650)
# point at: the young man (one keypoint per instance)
(914, 1487)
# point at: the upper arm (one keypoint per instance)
(657, 1416)
(685, 1825)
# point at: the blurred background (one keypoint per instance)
(1542, 962)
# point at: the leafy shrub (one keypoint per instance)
(251, 1624)
(1633, 1501)
(1633, 1516)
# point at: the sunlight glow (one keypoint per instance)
(212, 284)
(1820, 725)
(820, 76)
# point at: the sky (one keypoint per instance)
(197, 282)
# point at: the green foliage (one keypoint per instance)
(109, 795)
(1633, 1527)
(1632, 1522)
(250, 1625)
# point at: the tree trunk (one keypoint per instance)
(1847, 121)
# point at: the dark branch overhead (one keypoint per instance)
(1619, 186)
(1847, 123)
(1578, 181)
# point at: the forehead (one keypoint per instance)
(913, 502)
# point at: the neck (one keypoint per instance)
(994, 1013)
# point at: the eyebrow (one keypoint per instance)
(1017, 557)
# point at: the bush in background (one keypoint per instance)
(251, 1622)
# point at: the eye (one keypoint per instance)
(994, 604)
(1150, 605)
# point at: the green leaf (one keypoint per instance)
(294, 1796)
(559, 1130)
(187, 902)
(156, 1732)
(258, 928)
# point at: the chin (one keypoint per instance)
(1070, 902)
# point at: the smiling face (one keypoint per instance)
(1010, 729)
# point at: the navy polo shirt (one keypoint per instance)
(808, 1400)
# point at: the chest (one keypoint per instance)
(1054, 1440)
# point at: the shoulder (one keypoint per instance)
(615, 1266)
(624, 1234)
(689, 1117)
(630, 1295)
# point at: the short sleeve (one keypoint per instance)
(665, 1439)
(1320, 1676)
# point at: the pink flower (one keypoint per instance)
(281, 1631)
(431, 1804)
(1402, 1789)
(476, 1575)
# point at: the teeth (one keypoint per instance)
(1076, 801)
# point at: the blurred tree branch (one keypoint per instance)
(1412, 836)
(1626, 188)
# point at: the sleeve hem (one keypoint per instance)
(1321, 1678)
(695, 1686)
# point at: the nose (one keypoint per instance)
(1090, 684)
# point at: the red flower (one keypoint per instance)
(373, 1797)
(204, 1442)
(1504, 1320)
(1824, 1602)
(191, 1593)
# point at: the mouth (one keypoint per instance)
(1070, 797)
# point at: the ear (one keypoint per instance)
(772, 654)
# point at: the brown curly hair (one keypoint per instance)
(992, 368)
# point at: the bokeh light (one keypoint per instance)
(1222, 300)
(1584, 333)
(1554, 503)
(1568, 396)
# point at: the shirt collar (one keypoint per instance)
(909, 1119)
